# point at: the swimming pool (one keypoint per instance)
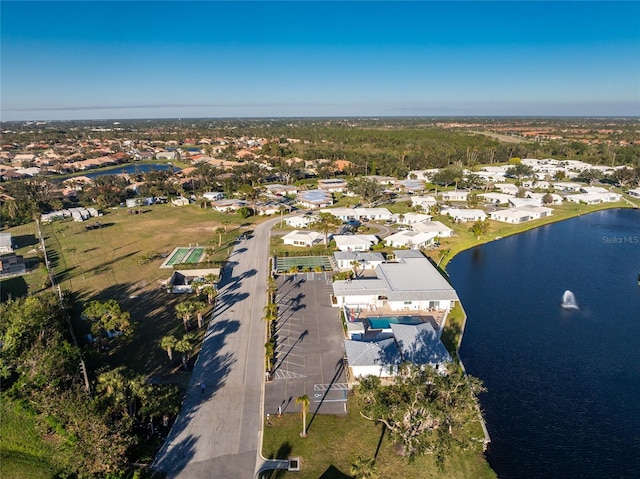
(384, 322)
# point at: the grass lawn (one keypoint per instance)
(334, 443)
(23, 452)
(121, 260)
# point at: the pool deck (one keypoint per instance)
(434, 317)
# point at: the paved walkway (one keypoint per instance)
(219, 430)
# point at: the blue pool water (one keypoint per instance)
(384, 322)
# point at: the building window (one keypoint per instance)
(408, 302)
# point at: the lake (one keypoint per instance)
(130, 168)
(563, 396)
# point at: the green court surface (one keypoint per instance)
(286, 264)
(184, 255)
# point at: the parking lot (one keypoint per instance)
(310, 348)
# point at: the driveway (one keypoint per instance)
(219, 430)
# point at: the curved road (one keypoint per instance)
(219, 430)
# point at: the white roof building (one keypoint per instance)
(355, 242)
(6, 243)
(346, 214)
(315, 199)
(496, 198)
(454, 195)
(303, 238)
(367, 260)
(520, 214)
(410, 218)
(437, 227)
(333, 185)
(594, 198)
(410, 239)
(412, 283)
(300, 221)
(425, 201)
(635, 192)
(507, 188)
(466, 215)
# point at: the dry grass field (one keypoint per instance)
(121, 260)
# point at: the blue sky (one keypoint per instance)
(162, 59)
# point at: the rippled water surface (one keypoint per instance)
(564, 385)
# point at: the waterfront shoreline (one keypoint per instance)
(495, 258)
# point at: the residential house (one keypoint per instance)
(520, 214)
(409, 218)
(454, 195)
(348, 214)
(466, 215)
(366, 260)
(420, 344)
(507, 188)
(373, 358)
(567, 186)
(425, 201)
(332, 185)
(228, 205)
(303, 238)
(213, 195)
(594, 198)
(313, 199)
(410, 239)
(437, 227)
(496, 198)
(281, 190)
(302, 221)
(6, 243)
(166, 155)
(12, 265)
(415, 187)
(538, 198)
(355, 242)
(635, 192)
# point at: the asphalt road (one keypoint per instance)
(218, 432)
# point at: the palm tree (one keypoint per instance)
(225, 222)
(355, 264)
(304, 402)
(211, 293)
(272, 287)
(184, 310)
(184, 346)
(168, 343)
(364, 468)
(199, 307)
(220, 230)
(269, 350)
(196, 285)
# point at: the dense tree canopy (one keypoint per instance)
(425, 411)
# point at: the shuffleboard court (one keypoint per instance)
(183, 255)
(195, 256)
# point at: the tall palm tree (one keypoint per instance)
(220, 230)
(184, 346)
(184, 310)
(304, 403)
(168, 343)
(199, 307)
